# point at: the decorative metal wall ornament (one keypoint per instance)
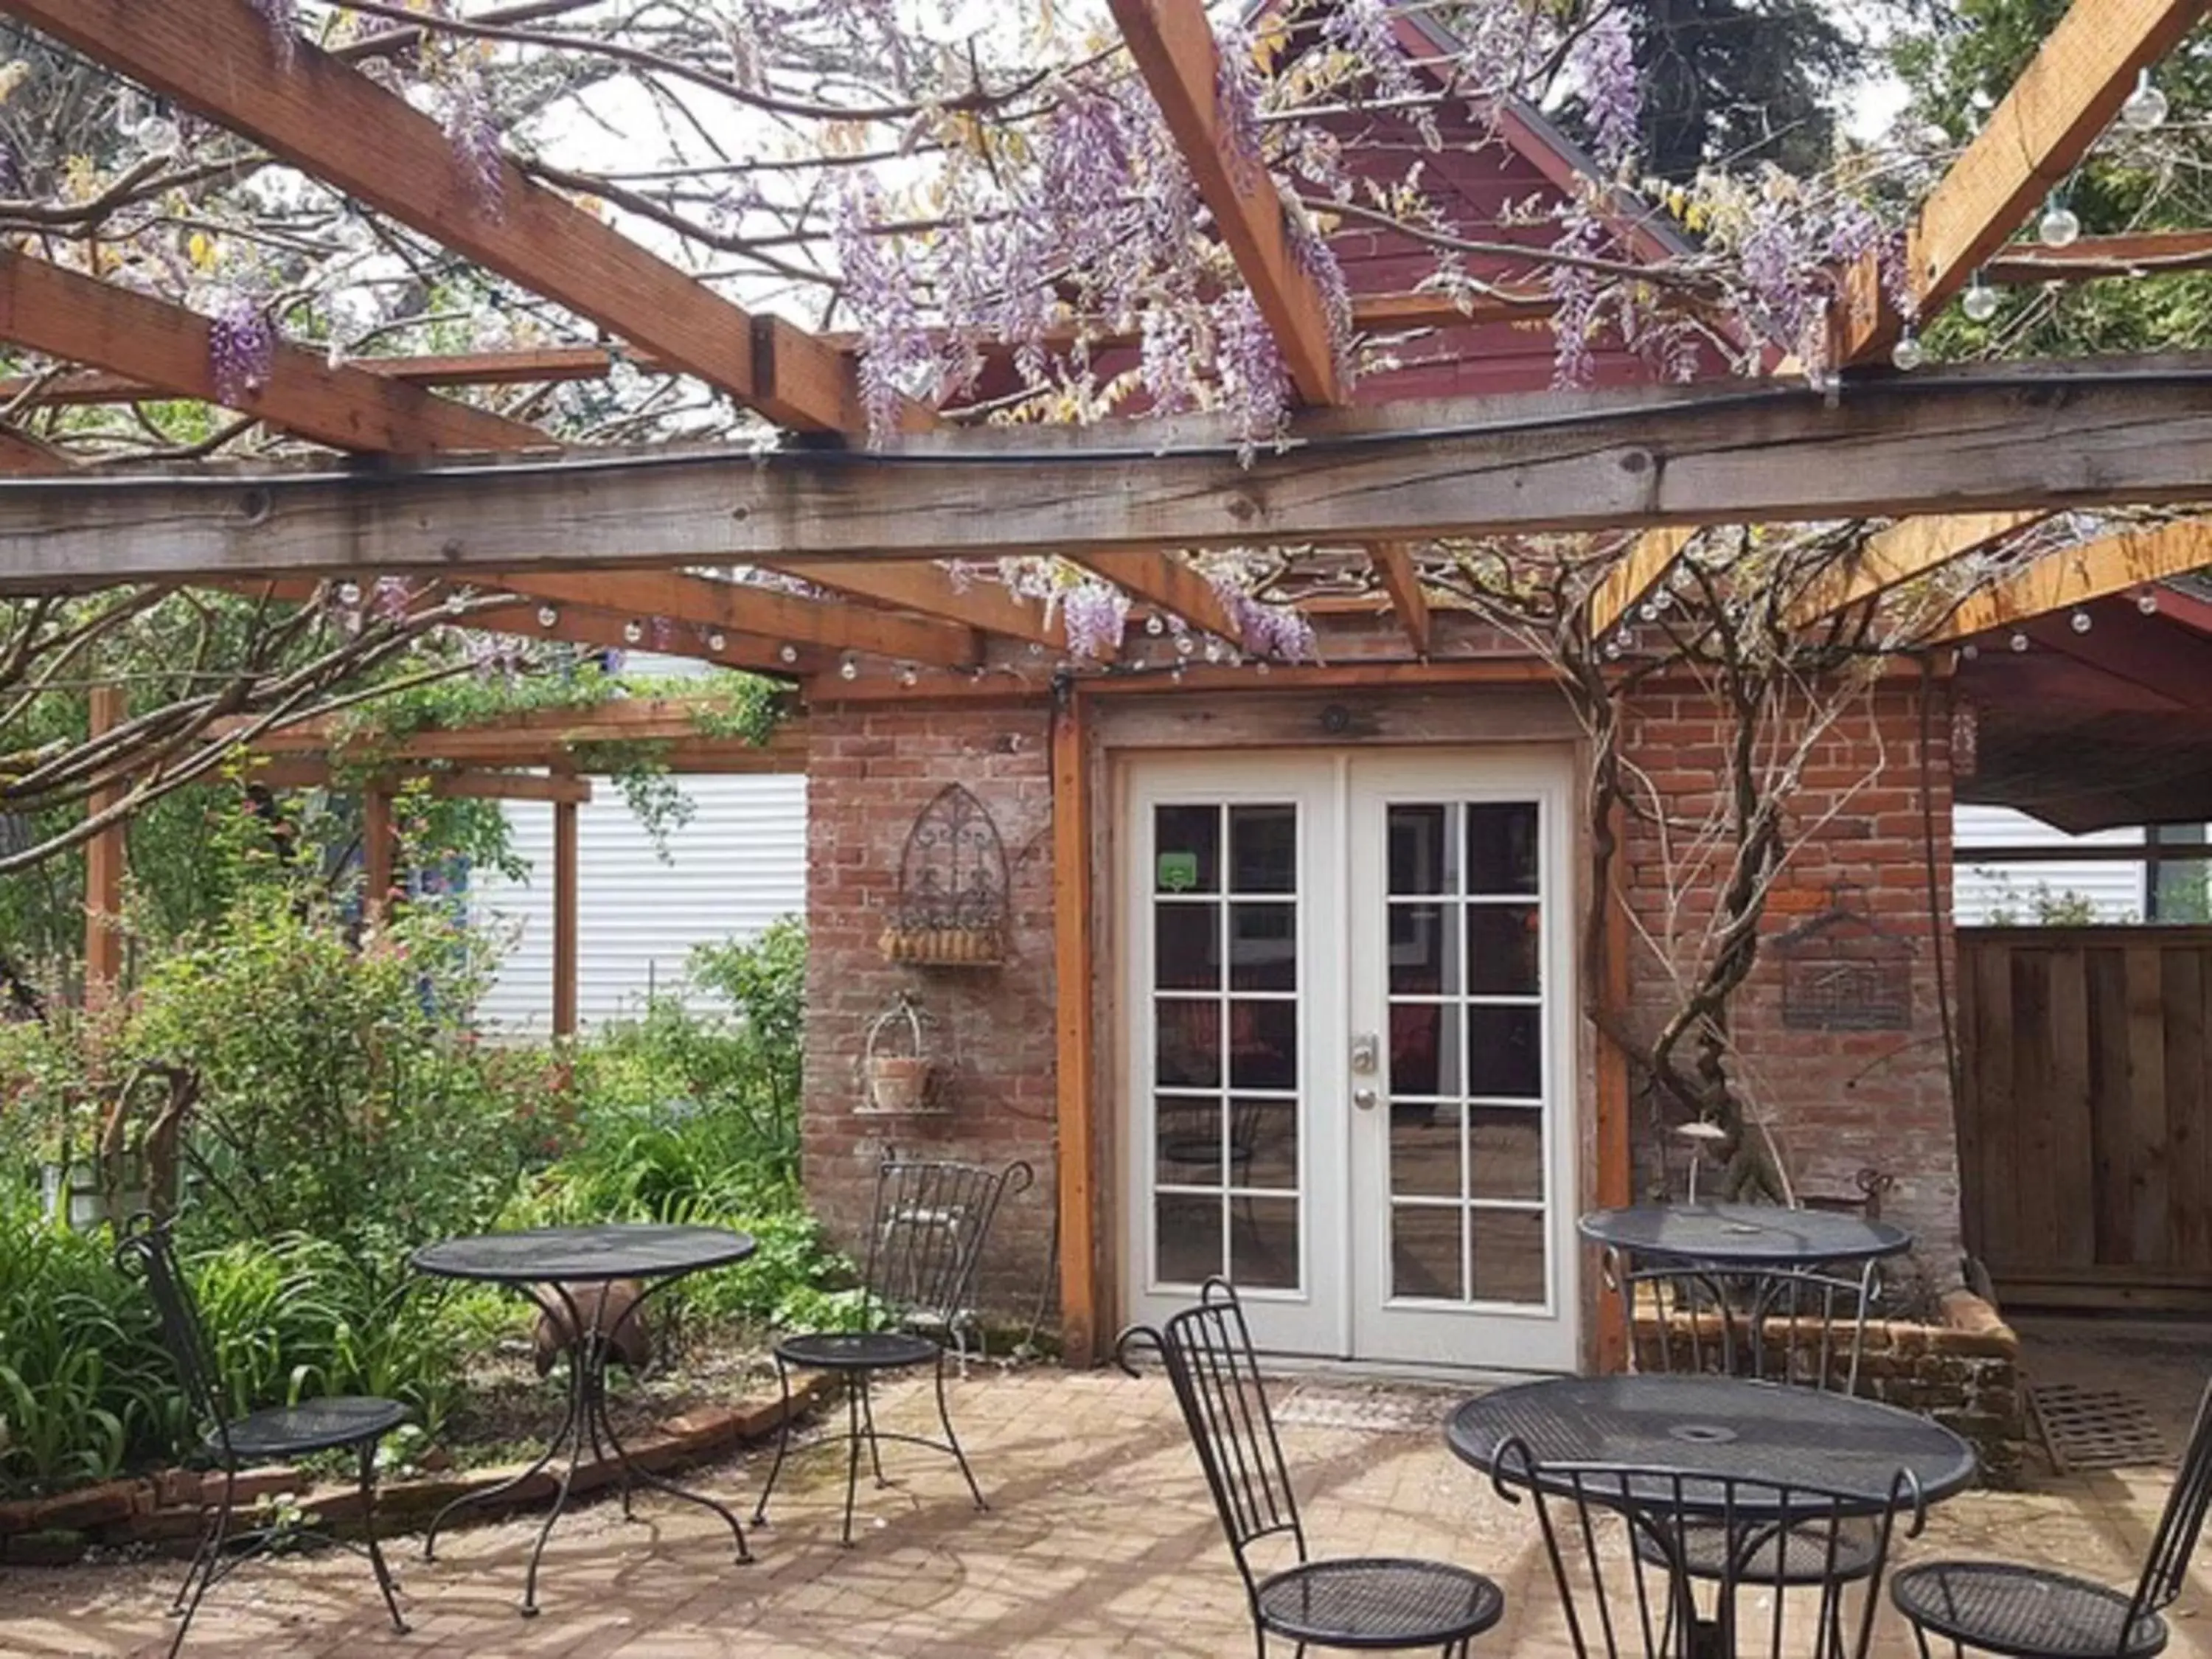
(1842, 971)
(952, 887)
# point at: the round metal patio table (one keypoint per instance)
(550, 1266)
(1717, 1426)
(1746, 1236)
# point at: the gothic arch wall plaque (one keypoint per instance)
(952, 887)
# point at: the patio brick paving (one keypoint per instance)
(1101, 1541)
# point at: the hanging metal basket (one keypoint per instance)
(898, 1073)
(952, 888)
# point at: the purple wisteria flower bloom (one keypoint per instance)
(1094, 616)
(1236, 96)
(283, 18)
(1604, 61)
(1362, 27)
(474, 136)
(1257, 385)
(241, 349)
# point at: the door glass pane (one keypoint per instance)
(1424, 950)
(1425, 1252)
(1263, 1244)
(1186, 945)
(1263, 1144)
(1501, 847)
(1186, 1237)
(1186, 849)
(1425, 1150)
(1187, 1140)
(1423, 1050)
(1419, 849)
(1502, 953)
(1263, 849)
(1263, 1044)
(1263, 947)
(1187, 1042)
(1505, 1052)
(1509, 1255)
(1505, 1152)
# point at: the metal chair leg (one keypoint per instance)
(782, 1443)
(201, 1556)
(207, 1567)
(368, 1533)
(952, 1440)
(868, 1422)
(853, 1388)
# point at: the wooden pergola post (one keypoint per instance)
(376, 864)
(565, 874)
(1073, 1063)
(105, 857)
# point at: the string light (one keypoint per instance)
(849, 669)
(348, 593)
(2019, 643)
(2059, 226)
(718, 641)
(2147, 602)
(547, 616)
(1154, 625)
(909, 675)
(1970, 651)
(1183, 646)
(2145, 109)
(2080, 623)
(786, 653)
(1981, 302)
(633, 631)
(1908, 354)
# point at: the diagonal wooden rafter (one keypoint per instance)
(1633, 575)
(2090, 570)
(315, 112)
(80, 319)
(20, 452)
(707, 602)
(1401, 580)
(2064, 98)
(1176, 52)
(1165, 581)
(928, 590)
(1900, 552)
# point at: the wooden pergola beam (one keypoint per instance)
(2091, 570)
(2012, 438)
(1625, 586)
(2064, 98)
(81, 320)
(315, 112)
(1164, 581)
(706, 602)
(543, 737)
(928, 590)
(1175, 51)
(1900, 552)
(1401, 580)
(2146, 252)
(304, 772)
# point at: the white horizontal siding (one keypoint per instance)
(738, 864)
(1983, 890)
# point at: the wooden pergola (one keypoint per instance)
(591, 545)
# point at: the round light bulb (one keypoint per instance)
(1183, 645)
(718, 641)
(2059, 226)
(348, 593)
(1176, 673)
(1154, 626)
(909, 675)
(1980, 303)
(547, 616)
(1261, 666)
(2147, 602)
(1908, 354)
(786, 653)
(2019, 643)
(1647, 611)
(455, 604)
(1970, 651)
(849, 670)
(1213, 650)
(2080, 623)
(1612, 650)
(2146, 105)
(1625, 638)
(633, 631)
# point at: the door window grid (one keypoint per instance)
(1224, 1119)
(1453, 1238)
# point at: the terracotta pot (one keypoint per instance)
(898, 1083)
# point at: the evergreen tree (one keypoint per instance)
(1737, 82)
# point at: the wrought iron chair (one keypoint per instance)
(1378, 1603)
(1800, 1327)
(931, 1220)
(1641, 1597)
(339, 1423)
(2002, 1607)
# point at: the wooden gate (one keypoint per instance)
(2085, 1149)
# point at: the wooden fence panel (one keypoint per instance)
(2085, 1113)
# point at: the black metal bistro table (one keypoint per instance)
(548, 1264)
(1718, 1425)
(1744, 1235)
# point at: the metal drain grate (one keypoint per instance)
(2094, 1428)
(1375, 1411)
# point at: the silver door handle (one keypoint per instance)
(1364, 1099)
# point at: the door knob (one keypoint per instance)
(1364, 1099)
(1366, 1052)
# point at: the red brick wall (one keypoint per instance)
(872, 769)
(1839, 1101)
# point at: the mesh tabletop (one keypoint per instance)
(1379, 1602)
(630, 1250)
(1746, 1235)
(1718, 1426)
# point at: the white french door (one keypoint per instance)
(1348, 1050)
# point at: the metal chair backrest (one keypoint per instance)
(2175, 1542)
(1801, 1327)
(1614, 1534)
(933, 1218)
(144, 1246)
(1211, 1364)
